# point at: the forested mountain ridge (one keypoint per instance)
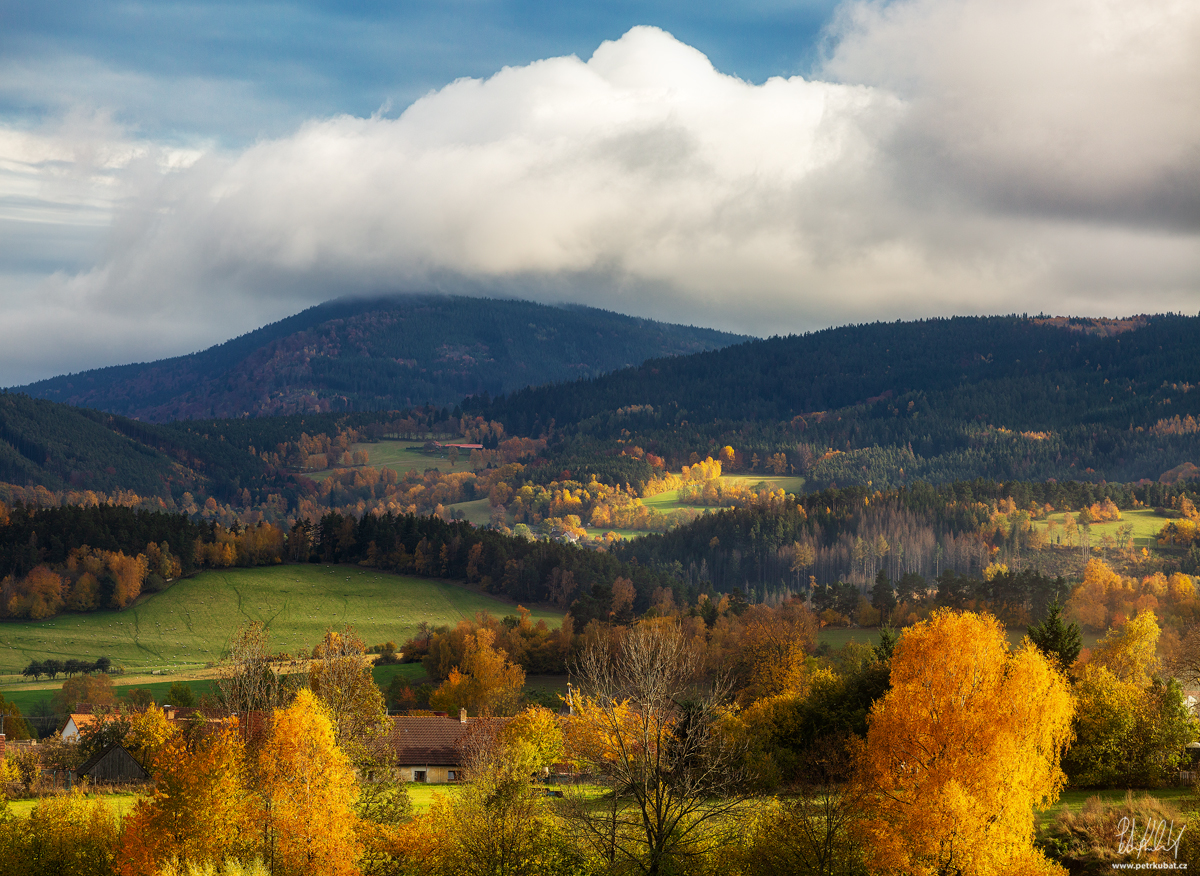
(888, 403)
(380, 354)
(1021, 362)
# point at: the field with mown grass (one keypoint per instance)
(190, 624)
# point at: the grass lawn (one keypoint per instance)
(1146, 524)
(118, 802)
(414, 673)
(422, 796)
(191, 623)
(790, 484)
(477, 512)
(27, 697)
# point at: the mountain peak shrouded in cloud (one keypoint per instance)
(948, 156)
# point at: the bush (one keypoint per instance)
(65, 834)
(1091, 841)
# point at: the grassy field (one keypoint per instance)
(403, 456)
(477, 512)
(191, 623)
(1182, 798)
(1146, 524)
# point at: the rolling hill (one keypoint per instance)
(940, 400)
(380, 354)
(190, 624)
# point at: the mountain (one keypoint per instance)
(380, 354)
(941, 399)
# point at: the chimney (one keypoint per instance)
(3, 745)
(169, 711)
(462, 716)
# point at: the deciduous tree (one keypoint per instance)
(307, 789)
(960, 751)
(645, 725)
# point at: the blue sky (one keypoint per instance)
(239, 71)
(175, 174)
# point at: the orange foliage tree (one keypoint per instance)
(960, 750)
(199, 812)
(308, 787)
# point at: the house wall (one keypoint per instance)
(434, 775)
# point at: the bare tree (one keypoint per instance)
(249, 681)
(340, 675)
(643, 724)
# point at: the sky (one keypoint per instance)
(175, 174)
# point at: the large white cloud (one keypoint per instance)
(961, 156)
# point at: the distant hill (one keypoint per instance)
(939, 399)
(380, 354)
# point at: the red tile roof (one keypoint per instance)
(426, 740)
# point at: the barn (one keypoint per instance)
(113, 765)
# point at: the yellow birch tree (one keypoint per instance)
(960, 751)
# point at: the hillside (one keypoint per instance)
(380, 354)
(190, 624)
(941, 400)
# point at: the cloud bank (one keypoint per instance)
(950, 156)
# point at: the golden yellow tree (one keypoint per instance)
(960, 751)
(1131, 652)
(308, 788)
(199, 811)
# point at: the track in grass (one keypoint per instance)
(191, 623)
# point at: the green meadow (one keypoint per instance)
(1146, 525)
(403, 456)
(190, 624)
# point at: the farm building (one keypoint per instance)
(427, 748)
(113, 766)
(75, 724)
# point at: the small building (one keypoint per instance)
(76, 722)
(428, 749)
(113, 766)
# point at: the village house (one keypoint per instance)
(427, 748)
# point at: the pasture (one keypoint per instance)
(190, 624)
(403, 456)
(1145, 521)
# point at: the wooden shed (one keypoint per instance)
(113, 766)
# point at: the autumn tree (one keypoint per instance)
(1131, 725)
(97, 690)
(485, 682)
(960, 751)
(340, 676)
(307, 788)
(499, 825)
(775, 645)
(644, 724)
(248, 680)
(200, 811)
(67, 834)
